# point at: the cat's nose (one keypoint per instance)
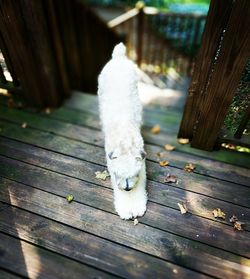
(127, 185)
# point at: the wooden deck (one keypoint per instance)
(44, 236)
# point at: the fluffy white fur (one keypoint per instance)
(121, 118)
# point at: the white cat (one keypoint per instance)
(121, 118)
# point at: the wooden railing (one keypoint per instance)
(157, 40)
(221, 62)
(51, 47)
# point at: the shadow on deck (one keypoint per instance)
(58, 153)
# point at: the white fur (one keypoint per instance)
(121, 118)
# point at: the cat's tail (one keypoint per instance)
(119, 51)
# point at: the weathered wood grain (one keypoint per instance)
(89, 103)
(200, 184)
(34, 262)
(232, 58)
(165, 194)
(161, 139)
(189, 253)
(87, 248)
(7, 275)
(217, 18)
(177, 159)
(208, 231)
(31, 50)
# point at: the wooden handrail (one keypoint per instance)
(155, 11)
(140, 18)
(123, 18)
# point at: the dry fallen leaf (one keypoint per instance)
(238, 225)
(183, 141)
(102, 175)
(189, 167)
(169, 147)
(233, 219)
(136, 222)
(183, 207)
(156, 129)
(24, 125)
(69, 198)
(163, 163)
(218, 213)
(170, 178)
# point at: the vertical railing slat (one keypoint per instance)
(217, 18)
(234, 54)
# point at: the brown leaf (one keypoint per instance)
(170, 178)
(24, 125)
(169, 147)
(183, 141)
(183, 207)
(102, 175)
(238, 225)
(156, 129)
(189, 167)
(163, 163)
(233, 219)
(218, 213)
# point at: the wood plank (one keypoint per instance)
(93, 121)
(205, 185)
(200, 184)
(87, 248)
(176, 158)
(7, 275)
(163, 194)
(85, 102)
(228, 156)
(233, 56)
(223, 155)
(209, 232)
(192, 254)
(34, 262)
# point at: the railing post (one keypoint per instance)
(29, 31)
(202, 68)
(233, 56)
(140, 30)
